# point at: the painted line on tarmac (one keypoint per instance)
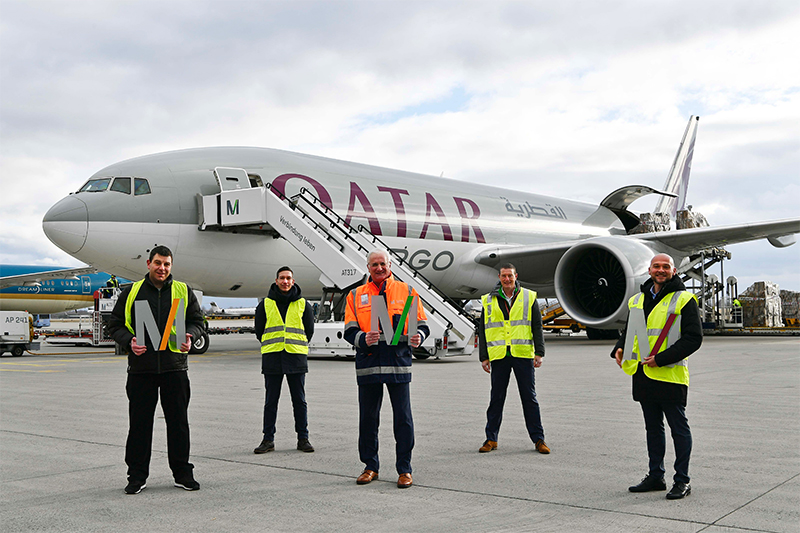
(506, 497)
(30, 371)
(448, 489)
(715, 522)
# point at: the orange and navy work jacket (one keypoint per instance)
(381, 362)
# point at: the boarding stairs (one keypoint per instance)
(338, 250)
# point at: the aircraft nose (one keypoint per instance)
(66, 224)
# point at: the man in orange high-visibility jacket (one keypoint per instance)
(378, 362)
(663, 329)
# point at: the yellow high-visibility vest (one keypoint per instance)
(289, 336)
(671, 304)
(179, 290)
(514, 333)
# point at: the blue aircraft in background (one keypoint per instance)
(42, 290)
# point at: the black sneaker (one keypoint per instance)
(265, 446)
(649, 483)
(135, 487)
(187, 484)
(304, 446)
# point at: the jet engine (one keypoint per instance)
(595, 279)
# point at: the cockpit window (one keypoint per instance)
(141, 186)
(122, 185)
(96, 185)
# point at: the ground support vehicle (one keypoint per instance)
(16, 333)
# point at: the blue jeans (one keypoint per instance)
(370, 398)
(297, 383)
(524, 373)
(654, 413)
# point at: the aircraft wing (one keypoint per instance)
(537, 263)
(34, 277)
(779, 232)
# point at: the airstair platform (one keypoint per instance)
(338, 250)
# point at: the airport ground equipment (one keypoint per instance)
(338, 250)
(16, 333)
(555, 319)
(97, 336)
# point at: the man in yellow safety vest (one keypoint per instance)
(663, 329)
(155, 366)
(284, 324)
(510, 337)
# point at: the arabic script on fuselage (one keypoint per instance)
(528, 210)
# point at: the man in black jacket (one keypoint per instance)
(157, 365)
(664, 320)
(284, 324)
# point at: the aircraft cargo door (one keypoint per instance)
(230, 179)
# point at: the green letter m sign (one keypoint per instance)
(233, 209)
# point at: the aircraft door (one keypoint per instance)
(86, 284)
(231, 179)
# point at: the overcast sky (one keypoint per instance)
(571, 99)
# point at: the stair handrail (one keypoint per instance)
(312, 200)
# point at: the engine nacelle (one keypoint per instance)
(595, 279)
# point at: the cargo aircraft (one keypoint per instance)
(591, 257)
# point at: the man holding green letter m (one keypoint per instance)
(156, 318)
(663, 329)
(384, 320)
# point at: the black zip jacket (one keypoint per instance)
(651, 390)
(154, 361)
(283, 362)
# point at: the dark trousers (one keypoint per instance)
(524, 373)
(370, 398)
(297, 384)
(654, 413)
(143, 391)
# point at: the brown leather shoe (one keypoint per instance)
(404, 481)
(366, 477)
(488, 446)
(541, 447)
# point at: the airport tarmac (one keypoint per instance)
(63, 424)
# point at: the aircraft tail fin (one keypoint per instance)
(215, 309)
(678, 177)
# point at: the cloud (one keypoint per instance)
(571, 98)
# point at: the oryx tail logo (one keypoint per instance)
(233, 209)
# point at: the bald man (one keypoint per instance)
(663, 330)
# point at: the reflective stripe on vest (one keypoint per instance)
(289, 336)
(178, 290)
(372, 370)
(514, 333)
(671, 304)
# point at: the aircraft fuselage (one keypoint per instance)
(438, 224)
